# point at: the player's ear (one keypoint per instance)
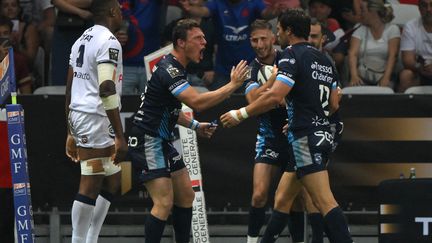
(112, 12)
(181, 43)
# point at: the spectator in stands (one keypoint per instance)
(22, 73)
(232, 20)
(45, 19)
(416, 47)
(73, 17)
(374, 46)
(142, 19)
(24, 33)
(202, 73)
(321, 10)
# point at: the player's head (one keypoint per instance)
(262, 38)
(425, 8)
(317, 35)
(187, 37)
(293, 23)
(107, 12)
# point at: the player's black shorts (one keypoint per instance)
(310, 153)
(152, 157)
(273, 151)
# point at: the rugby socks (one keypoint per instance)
(256, 221)
(154, 228)
(277, 223)
(100, 211)
(317, 225)
(182, 220)
(296, 226)
(336, 226)
(82, 212)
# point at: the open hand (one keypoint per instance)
(231, 118)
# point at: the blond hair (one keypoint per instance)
(385, 12)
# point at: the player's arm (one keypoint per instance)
(204, 129)
(267, 101)
(71, 149)
(202, 101)
(195, 10)
(74, 7)
(335, 97)
(111, 103)
(255, 90)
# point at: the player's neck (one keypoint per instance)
(295, 40)
(106, 24)
(180, 57)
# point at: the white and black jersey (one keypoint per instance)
(95, 46)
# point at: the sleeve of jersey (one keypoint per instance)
(287, 69)
(109, 52)
(71, 61)
(251, 86)
(176, 84)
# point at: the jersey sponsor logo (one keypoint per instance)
(236, 36)
(318, 158)
(289, 60)
(236, 30)
(113, 54)
(112, 38)
(317, 121)
(322, 72)
(270, 153)
(81, 75)
(174, 72)
(176, 84)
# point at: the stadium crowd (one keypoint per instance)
(367, 46)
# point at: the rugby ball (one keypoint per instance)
(264, 74)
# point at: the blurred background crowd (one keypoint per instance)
(373, 42)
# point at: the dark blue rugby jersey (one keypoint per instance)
(160, 109)
(312, 77)
(271, 122)
(232, 23)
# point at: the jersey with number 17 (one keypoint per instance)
(312, 77)
(95, 46)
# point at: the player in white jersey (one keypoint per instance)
(95, 134)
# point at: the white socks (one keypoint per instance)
(81, 217)
(251, 239)
(99, 214)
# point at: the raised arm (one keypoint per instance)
(202, 101)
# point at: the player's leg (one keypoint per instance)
(161, 192)
(110, 187)
(95, 147)
(262, 175)
(286, 192)
(182, 209)
(311, 154)
(315, 218)
(296, 220)
(151, 164)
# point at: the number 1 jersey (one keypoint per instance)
(95, 46)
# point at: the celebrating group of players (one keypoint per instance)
(303, 88)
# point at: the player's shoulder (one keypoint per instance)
(168, 67)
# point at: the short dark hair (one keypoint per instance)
(260, 24)
(6, 21)
(100, 8)
(181, 29)
(297, 20)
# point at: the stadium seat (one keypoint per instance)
(50, 90)
(404, 13)
(367, 90)
(426, 89)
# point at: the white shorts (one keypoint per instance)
(99, 166)
(91, 130)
